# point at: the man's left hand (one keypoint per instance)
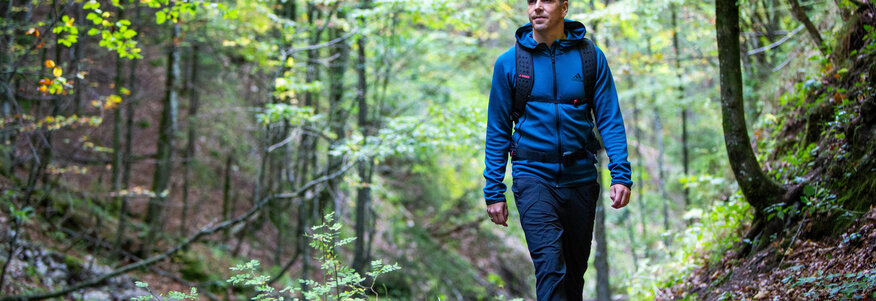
(620, 196)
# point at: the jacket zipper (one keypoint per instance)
(557, 113)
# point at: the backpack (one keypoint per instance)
(523, 88)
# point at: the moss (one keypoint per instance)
(74, 264)
(193, 268)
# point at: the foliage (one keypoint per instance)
(837, 285)
(340, 282)
(172, 295)
(704, 241)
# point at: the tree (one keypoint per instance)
(166, 134)
(759, 190)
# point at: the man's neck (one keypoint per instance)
(549, 36)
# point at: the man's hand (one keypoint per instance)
(498, 213)
(620, 196)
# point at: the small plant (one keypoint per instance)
(340, 281)
(847, 285)
(192, 295)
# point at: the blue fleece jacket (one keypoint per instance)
(551, 127)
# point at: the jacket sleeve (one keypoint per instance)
(610, 123)
(499, 127)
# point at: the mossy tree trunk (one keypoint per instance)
(759, 190)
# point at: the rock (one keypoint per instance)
(96, 296)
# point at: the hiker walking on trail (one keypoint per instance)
(552, 88)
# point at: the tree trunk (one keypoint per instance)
(194, 102)
(679, 72)
(130, 106)
(167, 131)
(600, 258)
(759, 190)
(637, 132)
(118, 153)
(226, 194)
(800, 15)
(363, 194)
(337, 115)
(658, 134)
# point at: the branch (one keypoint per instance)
(325, 44)
(157, 270)
(777, 43)
(207, 230)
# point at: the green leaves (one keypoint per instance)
(340, 283)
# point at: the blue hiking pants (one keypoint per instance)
(558, 223)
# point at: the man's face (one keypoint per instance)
(547, 14)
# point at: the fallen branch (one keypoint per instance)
(207, 230)
(157, 270)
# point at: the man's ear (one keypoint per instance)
(565, 8)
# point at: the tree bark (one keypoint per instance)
(759, 190)
(167, 131)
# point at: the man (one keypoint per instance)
(554, 175)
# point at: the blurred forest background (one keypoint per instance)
(193, 149)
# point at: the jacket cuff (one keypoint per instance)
(493, 201)
(628, 184)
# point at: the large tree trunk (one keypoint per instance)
(759, 190)
(800, 15)
(167, 131)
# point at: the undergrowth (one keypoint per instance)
(704, 241)
(339, 282)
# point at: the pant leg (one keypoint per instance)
(577, 216)
(539, 208)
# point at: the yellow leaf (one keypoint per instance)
(50, 64)
(95, 103)
(57, 72)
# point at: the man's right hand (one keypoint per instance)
(498, 213)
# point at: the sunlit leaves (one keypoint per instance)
(114, 36)
(294, 115)
(27, 123)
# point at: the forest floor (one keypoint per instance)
(841, 267)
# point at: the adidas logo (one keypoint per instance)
(578, 77)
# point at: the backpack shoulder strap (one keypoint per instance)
(588, 66)
(523, 88)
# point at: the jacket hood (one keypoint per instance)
(575, 32)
